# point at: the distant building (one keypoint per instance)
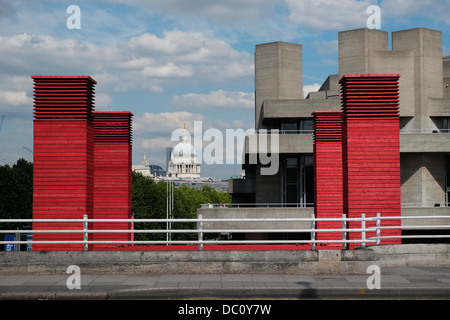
(143, 168)
(157, 171)
(183, 162)
(168, 153)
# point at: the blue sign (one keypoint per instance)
(9, 246)
(29, 245)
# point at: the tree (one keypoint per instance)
(16, 196)
(150, 202)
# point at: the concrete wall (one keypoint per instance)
(426, 45)
(416, 55)
(397, 62)
(262, 213)
(226, 262)
(278, 73)
(331, 86)
(424, 143)
(439, 107)
(291, 109)
(423, 178)
(446, 65)
(356, 47)
(287, 144)
(431, 211)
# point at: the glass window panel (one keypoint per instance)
(306, 126)
(289, 127)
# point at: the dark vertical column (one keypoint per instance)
(112, 176)
(63, 156)
(371, 150)
(328, 175)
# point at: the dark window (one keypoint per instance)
(306, 126)
(446, 125)
(298, 182)
(289, 128)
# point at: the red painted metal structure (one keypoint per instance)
(328, 175)
(82, 162)
(112, 176)
(63, 156)
(371, 150)
(357, 158)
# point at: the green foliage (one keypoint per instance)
(16, 193)
(150, 202)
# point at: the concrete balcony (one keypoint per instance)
(275, 211)
(425, 211)
(410, 142)
(438, 107)
(287, 144)
(276, 110)
(424, 142)
(253, 213)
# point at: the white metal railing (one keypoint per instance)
(282, 131)
(311, 131)
(442, 204)
(201, 230)
(257, 205)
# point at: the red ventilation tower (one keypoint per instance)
(112, 176)
(328, 175)
(371, 150)
(63, 156)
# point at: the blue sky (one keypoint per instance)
(173, 62)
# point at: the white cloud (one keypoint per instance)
(169, 70)
(218, 99)
(15, 98)
(102, 101)
(189, 56)
(161, 123)
(329, 14)
(310, 88)
(161, 142)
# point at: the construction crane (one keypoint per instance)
(28, 149)
(1, 122)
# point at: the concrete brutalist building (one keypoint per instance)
(416, 55)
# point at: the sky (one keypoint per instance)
(173, 62)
